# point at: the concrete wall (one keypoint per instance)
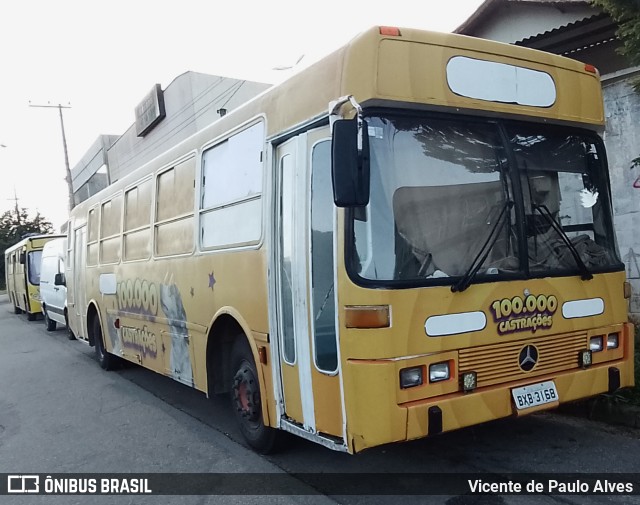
(83, 173)
(191, 102)
(97, 182)
(622, 139)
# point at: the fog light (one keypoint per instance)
(585, 358)
(410, 377)
(595, 344)
(469, 381)
(612, 341)
(439, 372)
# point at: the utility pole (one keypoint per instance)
(15, 197)
(64, 145)
(15, 200)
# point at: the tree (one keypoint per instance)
(627, 14)
(14, 226)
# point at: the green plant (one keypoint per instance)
(631, 396)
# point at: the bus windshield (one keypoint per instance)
(514, 200)
(35, 257)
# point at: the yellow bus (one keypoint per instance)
(411, 236)
(22, 271)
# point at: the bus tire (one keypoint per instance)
(51, 325)
(106, 360)
(17, 310)
(31, 316)
(246, 400)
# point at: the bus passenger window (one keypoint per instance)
(324, 310)
(174, 209)
(231, 206)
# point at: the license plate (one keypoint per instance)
(534, 395)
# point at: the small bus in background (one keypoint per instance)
(22, 263)
(53, 286)
(411, 236)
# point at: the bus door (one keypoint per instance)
(304, 240)
(76, 287)
(21, 279)
(12, 271)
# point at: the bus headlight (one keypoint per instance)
(612, 341)
(595, 344)
(439, 372)
(411, 377)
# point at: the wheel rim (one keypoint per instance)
(246, 393)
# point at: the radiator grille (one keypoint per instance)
(498, 363)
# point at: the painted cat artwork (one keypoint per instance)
(173, 308)
(114, 335)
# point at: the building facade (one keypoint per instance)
(190, 102)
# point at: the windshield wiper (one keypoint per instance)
(483, 253)
(585, 274)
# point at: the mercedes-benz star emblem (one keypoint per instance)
(528, 357)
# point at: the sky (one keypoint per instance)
(101, 58)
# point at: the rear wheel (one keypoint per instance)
(70, 334)
(105, 360)
(246, 401)
(17, 310)
(31, 316)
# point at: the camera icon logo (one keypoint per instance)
(23, 484)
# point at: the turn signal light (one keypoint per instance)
(367, 316)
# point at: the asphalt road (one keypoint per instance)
(59, 413)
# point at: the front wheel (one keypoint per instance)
(51, 325)
(246, 401)
(106, 360)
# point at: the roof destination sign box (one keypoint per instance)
(150, 111)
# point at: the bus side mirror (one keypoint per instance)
(23, 258)
(349, 164)
(59, 280)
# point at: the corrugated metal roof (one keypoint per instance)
(574, 37)
(487, 7)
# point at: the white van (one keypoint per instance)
(53, 286)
